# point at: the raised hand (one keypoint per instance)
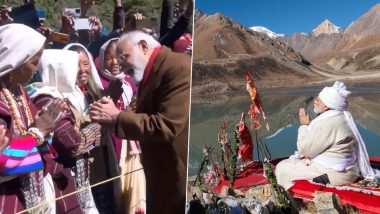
(67, 22)
(131, 21)
(304, 117)
(95, 24)
(50, 114)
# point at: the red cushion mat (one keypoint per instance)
(251, 177)
(365, 202)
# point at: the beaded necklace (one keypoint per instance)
(16, 114)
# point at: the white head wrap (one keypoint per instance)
(18, 44)
(58, 70)
(94, 79)
(336, 98)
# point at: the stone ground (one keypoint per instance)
(323, 202)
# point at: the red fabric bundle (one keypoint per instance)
(366, 203)
(246, 146)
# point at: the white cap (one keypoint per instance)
(335, 97)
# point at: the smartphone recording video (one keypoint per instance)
(82, 24)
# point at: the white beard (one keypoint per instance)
(138, 69)
(317, 110)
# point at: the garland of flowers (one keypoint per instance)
(234, 150)
(198, 178)
(16, 115)
(223, 141)
(282, 200)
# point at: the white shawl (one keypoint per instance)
(58, 70)
(18, 44)
(361, 152)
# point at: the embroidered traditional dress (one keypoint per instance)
(22, 182)
(71, 166)
(74, 135)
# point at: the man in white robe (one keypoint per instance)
(330, 148)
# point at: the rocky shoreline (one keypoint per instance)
(259, 199)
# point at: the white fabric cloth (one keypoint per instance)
(94, 82)
(336, 97)
(133, 184)
(325, 115)
(362, 155)
(18, 44)
(58, 70)
(338, 164)
(48, 184)
(127, 88)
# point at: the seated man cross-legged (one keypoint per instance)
(330, 147)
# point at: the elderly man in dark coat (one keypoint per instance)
(160, 120)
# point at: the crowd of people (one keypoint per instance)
(95, 106)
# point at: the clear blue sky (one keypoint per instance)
(288, 16)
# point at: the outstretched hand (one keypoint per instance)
(304, 117)
(131, 21)
(104, 111)
(67, 22)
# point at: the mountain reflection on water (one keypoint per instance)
(282, 112)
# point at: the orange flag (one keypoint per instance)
(256, 106)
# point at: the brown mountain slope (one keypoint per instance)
(350, 50)
(367, 24)
(224, 50)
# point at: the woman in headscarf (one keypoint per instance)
(73, 139)
(23, 183)
(128, 152)
(104, 163)
(88, 79)
(110, 72)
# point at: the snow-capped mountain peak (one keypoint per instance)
(266, 31)
(326, 27)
